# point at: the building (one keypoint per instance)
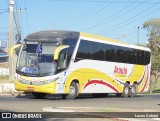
(3, 55)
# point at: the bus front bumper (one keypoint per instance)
(46, 88)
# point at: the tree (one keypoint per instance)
(153, 32)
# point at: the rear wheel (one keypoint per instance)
(73, 91)
(133, 90)
(38, 95)
(126, 90)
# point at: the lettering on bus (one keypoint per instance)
(120, 72)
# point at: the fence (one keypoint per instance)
(4, 71)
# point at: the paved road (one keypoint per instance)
(27, 103)
(111, 103)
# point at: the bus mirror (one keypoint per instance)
(58, 50)
(14, 49)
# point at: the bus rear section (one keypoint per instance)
(103, 66)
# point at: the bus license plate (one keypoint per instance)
(30, 88)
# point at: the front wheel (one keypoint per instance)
(73, 91)
(38, 95)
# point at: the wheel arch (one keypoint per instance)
(68, 85)
(127, 82)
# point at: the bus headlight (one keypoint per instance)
(51, 80)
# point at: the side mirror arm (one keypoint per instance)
(13, 48)
(58, 50)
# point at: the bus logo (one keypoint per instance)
(120, 72)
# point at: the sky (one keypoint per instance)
(117, 19)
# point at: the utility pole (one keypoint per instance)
(11, 40)
(18, 35)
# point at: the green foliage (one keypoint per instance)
(153, 28)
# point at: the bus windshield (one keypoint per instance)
(37, 59)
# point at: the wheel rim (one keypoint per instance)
(72, 90)
(133, 90)
(126, 90)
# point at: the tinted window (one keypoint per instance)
(120, 54)
(97, 51)
(146, 58)
(112, 55)
(84, 50)
(71, 42)
(110, 52)
(131, 56)
(107, 52)
(31, 48)
(140, 57)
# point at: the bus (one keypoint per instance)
(71, 63)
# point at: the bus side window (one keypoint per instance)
(97, 51)
(112, 53)
(131, 56)
(120, 54)
(107, 52)
(140, 57)
(84, 50)
(147, 57)
(62, 61)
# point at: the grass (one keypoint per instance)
(108, 110)
(156, 91)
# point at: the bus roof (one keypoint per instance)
(51, 36)
(56, 35)
(120, 43)
(100, 37)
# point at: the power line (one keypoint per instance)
(91, 16)
(3, 9)
(4, 27)
(80, 15)
(115, 26)
(112, 17)
(26, 16)
(100, 1)
(3, 12)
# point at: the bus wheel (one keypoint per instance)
(133, 90)
(73, 91)
(126, 90)
(38, 95)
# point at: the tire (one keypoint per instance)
(118, 94)
(101, 95)
(73, 91)
(38, 95)
(133, 90)
(126, 90)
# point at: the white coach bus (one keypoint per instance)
(73, 63)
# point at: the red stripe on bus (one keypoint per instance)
(100, 82)
(146, 81)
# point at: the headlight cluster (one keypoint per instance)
(51, 80)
